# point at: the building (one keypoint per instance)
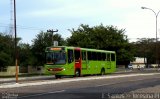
(139, 62)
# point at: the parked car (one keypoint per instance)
(130, 66)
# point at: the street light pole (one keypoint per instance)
(52, 31)
(156, 14)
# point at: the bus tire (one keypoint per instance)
(102, 71)
(57, 76)
(77, 73)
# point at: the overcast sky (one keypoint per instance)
(36, 15)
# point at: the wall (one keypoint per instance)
(11, 71)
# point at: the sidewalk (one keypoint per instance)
(12, 79)
(43, 77)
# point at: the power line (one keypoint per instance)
(21, 27)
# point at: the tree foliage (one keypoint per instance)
(25, 55)
(146, 47)
(105, 38)
(96, 37)
(6, 50)
(43, 40)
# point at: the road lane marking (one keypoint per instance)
(74, 79)
(57, 91)
(34, 95)
(102, 85)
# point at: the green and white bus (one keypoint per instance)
(76, 61)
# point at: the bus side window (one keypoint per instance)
(99, 56)
(108, 57)
(112, 57)
(94, 56)
(77, 55)
(70, 56)
(89, 55)
(103, 56)
(84, 55)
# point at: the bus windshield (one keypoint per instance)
(57, 57)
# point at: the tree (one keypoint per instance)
(145, 47)
(6, 50)
(25, 55)
(105, 38)
(43, 40)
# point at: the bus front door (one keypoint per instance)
(77, 53)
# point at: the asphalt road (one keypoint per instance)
(41, 78)
(115, 88)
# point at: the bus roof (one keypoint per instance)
(87, 49)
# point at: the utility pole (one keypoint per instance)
(11, 27)
(15, 30)
(52, 31)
